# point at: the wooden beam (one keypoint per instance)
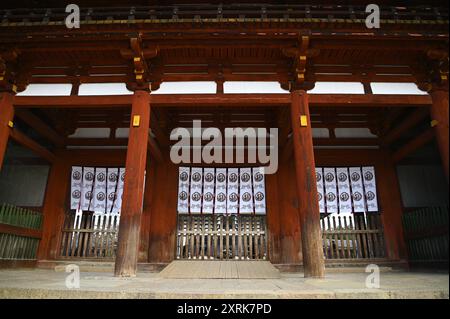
(308, 207)
(413, 145)
(276, 100)
(92, 141)
(6, 115)
(368, 100)
(100, 101)
(40, 127)
(20, 231)
(133, 192)
(27, 142)
(215, 100)
(412, 120)
(346, 141)
(227, 100)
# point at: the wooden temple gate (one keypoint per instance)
(223, 237)
(295, 46)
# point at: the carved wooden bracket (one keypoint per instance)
(300, 55)
(142, 72)
(432, 73)
(11, 80)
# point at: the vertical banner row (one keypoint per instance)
(347, 190)
(221, 190)
(97, 189)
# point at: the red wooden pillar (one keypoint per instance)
(290, 226)
(163, 218)
(54, 207)
(308, 207)
(391, 207)
(439, 117)
(133, 192)
(6, 115)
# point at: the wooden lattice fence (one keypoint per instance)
(19, 233)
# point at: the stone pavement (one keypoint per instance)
(45, 283)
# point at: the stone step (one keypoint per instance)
(95, 266)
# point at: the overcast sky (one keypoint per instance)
(229, 87)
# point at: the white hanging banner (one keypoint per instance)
(99, 200)
(357, 189)
(76, 186)
(232, 191)
(245, 191)
(118, 202)
(87, 189)
(208, 191)
(345, 201)
(183, 190)
(330, 190)
(220, 203)
(370, 188)
(259, 190)
(111, 188)
(320, 195)
(196, 190)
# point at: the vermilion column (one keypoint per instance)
(54, 207)
(313, 259)
(439, 115)
(6, 115)
(133, 192)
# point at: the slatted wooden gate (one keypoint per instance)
(222, 237)
(426, 234)
(89, 235)
(355, 236)
(20, 233)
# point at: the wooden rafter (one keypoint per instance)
(29, 143)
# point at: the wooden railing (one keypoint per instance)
(19, 233)
(235, 237)
(86, 235)
(356, 236)
(426, 235)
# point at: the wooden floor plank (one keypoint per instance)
(220, 269)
